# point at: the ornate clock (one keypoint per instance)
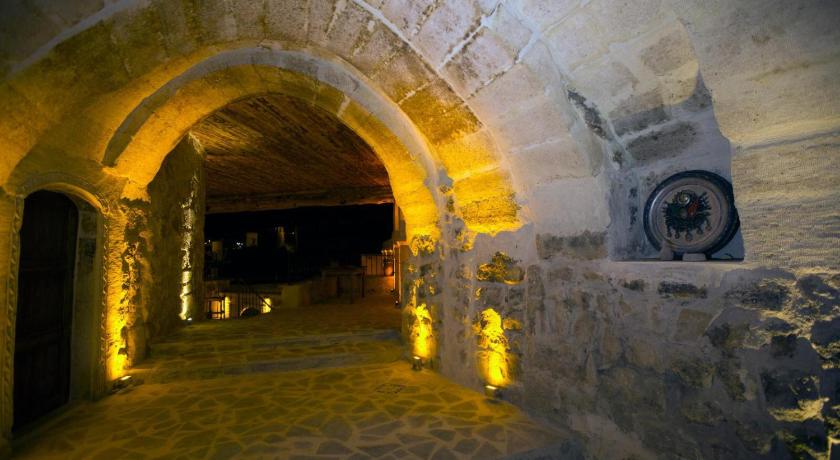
(691, 212)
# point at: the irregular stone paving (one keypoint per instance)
(382, 410)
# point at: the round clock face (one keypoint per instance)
(691, 212)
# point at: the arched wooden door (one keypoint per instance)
(45, 305)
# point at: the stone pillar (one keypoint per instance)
(11, 213)
(127, 281)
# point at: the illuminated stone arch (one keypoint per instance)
(152, 130)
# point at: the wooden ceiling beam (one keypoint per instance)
(280, 201)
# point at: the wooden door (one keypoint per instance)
(45, 304)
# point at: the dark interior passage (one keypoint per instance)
(45, 304)
(293, 244)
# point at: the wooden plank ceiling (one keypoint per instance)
(277, 152)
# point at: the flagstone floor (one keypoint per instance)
(240, 398)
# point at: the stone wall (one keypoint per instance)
(655, 359)
(176, 237)
(527, 133)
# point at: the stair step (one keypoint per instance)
(239, 345)
(179, 361)
(167, 373)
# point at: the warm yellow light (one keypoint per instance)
(493, 345)
(227, 308)
(186, 294)
(422, 331)
(266, 305)
(492, 391)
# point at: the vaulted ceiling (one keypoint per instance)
(270, 149)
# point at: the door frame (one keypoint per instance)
(87, 346)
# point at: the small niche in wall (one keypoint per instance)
(671, 196)
(676, 215)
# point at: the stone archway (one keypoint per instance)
(156, 126)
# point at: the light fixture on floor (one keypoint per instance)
(492, 391)
(123, 382)
(417, 363)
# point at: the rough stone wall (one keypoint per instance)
(654, 359)
(176, 218)
(586, 105)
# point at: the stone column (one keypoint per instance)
(11, 213)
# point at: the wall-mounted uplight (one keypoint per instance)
(416, 363)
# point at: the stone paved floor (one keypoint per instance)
(374, 408)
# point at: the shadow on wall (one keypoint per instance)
(651, 146)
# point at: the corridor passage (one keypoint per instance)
(327, 381)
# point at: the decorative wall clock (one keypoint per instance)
(691, 212)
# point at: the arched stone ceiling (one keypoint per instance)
(276, 144)
(524, 96)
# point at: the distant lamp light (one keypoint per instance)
(189, 320)
(416, 363)
(492, 391)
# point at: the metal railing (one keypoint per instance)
(241, 301)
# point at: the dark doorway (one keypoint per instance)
(45, 305)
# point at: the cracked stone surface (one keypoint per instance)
(326, 404)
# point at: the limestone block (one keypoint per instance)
(666, 142)
(576, 39)
(559, 158)
(545, 14)
(670, 52)
(320, 20)
(446, 27)
(485, 57)
(178, 37)
(638, 112)
(439, 113)
(211, 22)
(604, 81)
(250, 18)
(489, 52)
(539, 59)
(286, 20)
(751, 49)
(139, 37)
(408, 15)
(472, 153)
(569, 206)
(691, 324)
(514, 92)
(543, 122)
(403, 74)
(23, 29)
(347, 30)
(485, 201)
(787, 197)
(17, 130)
(586, 246)
(381, 45)
(620, 22)
(66, 68)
